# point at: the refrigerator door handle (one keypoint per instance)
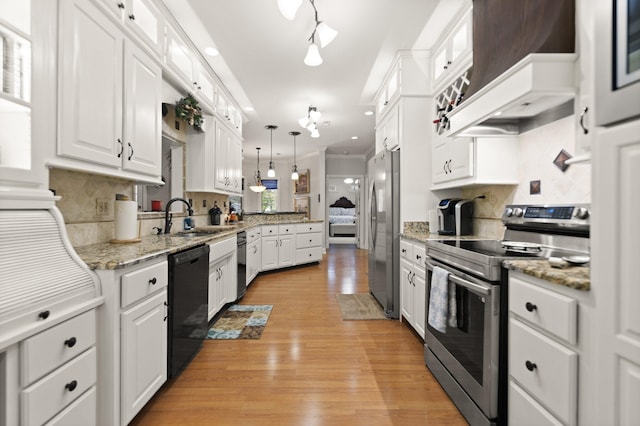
(374, 218)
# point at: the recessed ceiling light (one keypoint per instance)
(348, 180)
(250, 109)
(354, 137)
(211, 51)
(498, 113)
(368, 113)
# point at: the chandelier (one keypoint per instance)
(310, 122)
(257, 185)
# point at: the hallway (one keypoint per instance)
(309, 367)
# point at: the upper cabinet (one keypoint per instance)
(142, 17)
(110, 104)
(453, 52)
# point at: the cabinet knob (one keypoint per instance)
(70, 342)
(530, 307)
(71, 386)
(530, 365)
(121, 5)
(404, 250)
(132, 17)
(418, 257)
(44, 315)
(153, 281)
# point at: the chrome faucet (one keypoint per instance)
(168, 216)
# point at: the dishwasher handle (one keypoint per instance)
(189, 255)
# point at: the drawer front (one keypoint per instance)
(139, 284)
(306, 255)
(524, 410)
(48, 350)
(552, 312)
(301, 228)
(223, 248)
(308, 240)
(269, 230)
(406, 250)
(419, 254)
(253, 235)
(42, 400)
(287, 229)
(553, 378)
(81, 412)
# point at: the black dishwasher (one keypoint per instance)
(242, 264)
(188, 306)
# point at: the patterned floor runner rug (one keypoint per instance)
(240, 322)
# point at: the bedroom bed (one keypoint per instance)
(342, 218)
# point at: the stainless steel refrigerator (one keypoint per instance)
(384, 230)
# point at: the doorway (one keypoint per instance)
(343, 209)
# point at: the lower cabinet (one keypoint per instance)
(132, 332)
(308, 243)
(413, 284)
(254, 253)
(278, 246)
(223, 275)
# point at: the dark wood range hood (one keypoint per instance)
(505, 31)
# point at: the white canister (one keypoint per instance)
(126, 220)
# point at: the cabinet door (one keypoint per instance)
(286, 250)
(142, 129)
(146, 21)
(230, 278)
(234, 161)
(221, 154)
(406, 289)
(144, 353)
(179, 59)
(461, 164)
(439, 65)
(90, 65)
(204, 86)
(254, 255)
(270, 252)
(217, 296)
(391, 138)
(419, 297)
(440, 158)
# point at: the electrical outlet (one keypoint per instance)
(103, 207)
(204, 203)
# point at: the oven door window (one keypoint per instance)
(465, 332)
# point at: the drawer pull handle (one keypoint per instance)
(44, 315)
(70, 342)
(530, 365)
(404, 250)
(71, 386)
(418, 257)
(530, 307)
(153, 281)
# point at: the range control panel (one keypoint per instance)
(564, 215)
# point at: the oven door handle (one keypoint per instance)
(476, 288)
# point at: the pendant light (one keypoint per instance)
(294, 169)
(272, 172)
(288, 8)
(257, 181)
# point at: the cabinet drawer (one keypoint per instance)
(306, 255)
(525, 411)
(550, 311)
(308, 240)
(45, 398)
(406, 250)
(138, 284)
(287, 229)
(269, 230)
(50, 349)
(553, 379)
(301, 228)
(81, 412)
(253, 235)
(419, 254)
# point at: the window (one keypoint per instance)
(269, 197)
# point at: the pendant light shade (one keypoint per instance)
(257, 185)
(313, 58)
(294, 169)
(289, 8)
(271, 172)
(326, 34)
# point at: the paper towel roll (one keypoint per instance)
(126, 218)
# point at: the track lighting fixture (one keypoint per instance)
(257, 185)
(325, 33)
(294, 169)
(271, 172)
(310, 122)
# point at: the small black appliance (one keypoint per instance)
(214, 214)
(455, 216)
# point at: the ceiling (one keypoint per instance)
(261, 63)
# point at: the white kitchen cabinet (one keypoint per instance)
(227, 112)
(308, 244)
(413, 284)
(254, 253)
(228, 160)
(142, 18)
(387, 131)
(550, 352)
(110, 118)
(389, 89)
(179, 58)
(278, 246)
(459, 162)
(585, 79)
(144, 353)
(453, 51)
(132, 332)
(223, 274)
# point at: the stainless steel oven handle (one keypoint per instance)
(476, 288)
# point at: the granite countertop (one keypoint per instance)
(111, 256)
(577, 277)
(423, 237)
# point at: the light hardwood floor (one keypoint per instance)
(309, 367)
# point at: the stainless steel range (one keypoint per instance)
(466, 336)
